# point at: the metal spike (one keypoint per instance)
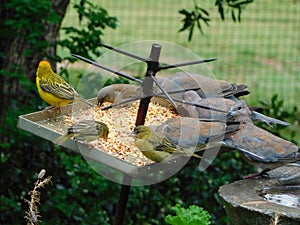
(186, 64)
(108, 69)
(125, 53)
(190, 103)
(121, 103)
(165, 92)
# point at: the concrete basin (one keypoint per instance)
(258, 201)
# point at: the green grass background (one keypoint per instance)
(262, 51)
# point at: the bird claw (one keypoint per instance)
(52, 111)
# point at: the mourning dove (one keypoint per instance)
(118, 92)
(237, 110)
(241, 112)
(261, 148)
(191, 132)
(203, 137)
(206, 86)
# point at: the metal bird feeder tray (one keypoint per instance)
(123, 170)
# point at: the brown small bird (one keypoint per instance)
(156, 146)
(86, 130)
(117, 93)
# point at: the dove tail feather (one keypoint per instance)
(268, 120)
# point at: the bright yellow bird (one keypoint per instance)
(53, 89)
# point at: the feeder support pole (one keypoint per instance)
(122, 202)
(147, 85)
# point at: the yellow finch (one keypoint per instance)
(52, 88)
(86, 130)
(156, 146)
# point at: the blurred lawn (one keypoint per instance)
(263, 51)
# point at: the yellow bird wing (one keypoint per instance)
(166, 146)
(85, 128)
(161, 143)
(57, 86)
(63, 138)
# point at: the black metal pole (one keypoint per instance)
(123, 199)
(147, 85)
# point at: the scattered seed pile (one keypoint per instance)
(121, 122)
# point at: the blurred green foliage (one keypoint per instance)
(28, 20)
(275, 108)
(85, 40)
(198, 15)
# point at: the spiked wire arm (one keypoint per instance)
(153, 66)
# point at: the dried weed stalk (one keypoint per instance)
(275, 220)
(32, 215)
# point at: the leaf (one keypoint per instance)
(194, 215)
(239, 15)
(191, 17)
(204, 11)
(199, 26)
(184, 12)
(191, 32)
(220, 3)
(233, 16)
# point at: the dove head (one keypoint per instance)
(104, 95)
(239, 112)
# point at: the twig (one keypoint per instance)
(275, 220)
(32, 215)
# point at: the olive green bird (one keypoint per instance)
(86, 130)
(156, 146)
